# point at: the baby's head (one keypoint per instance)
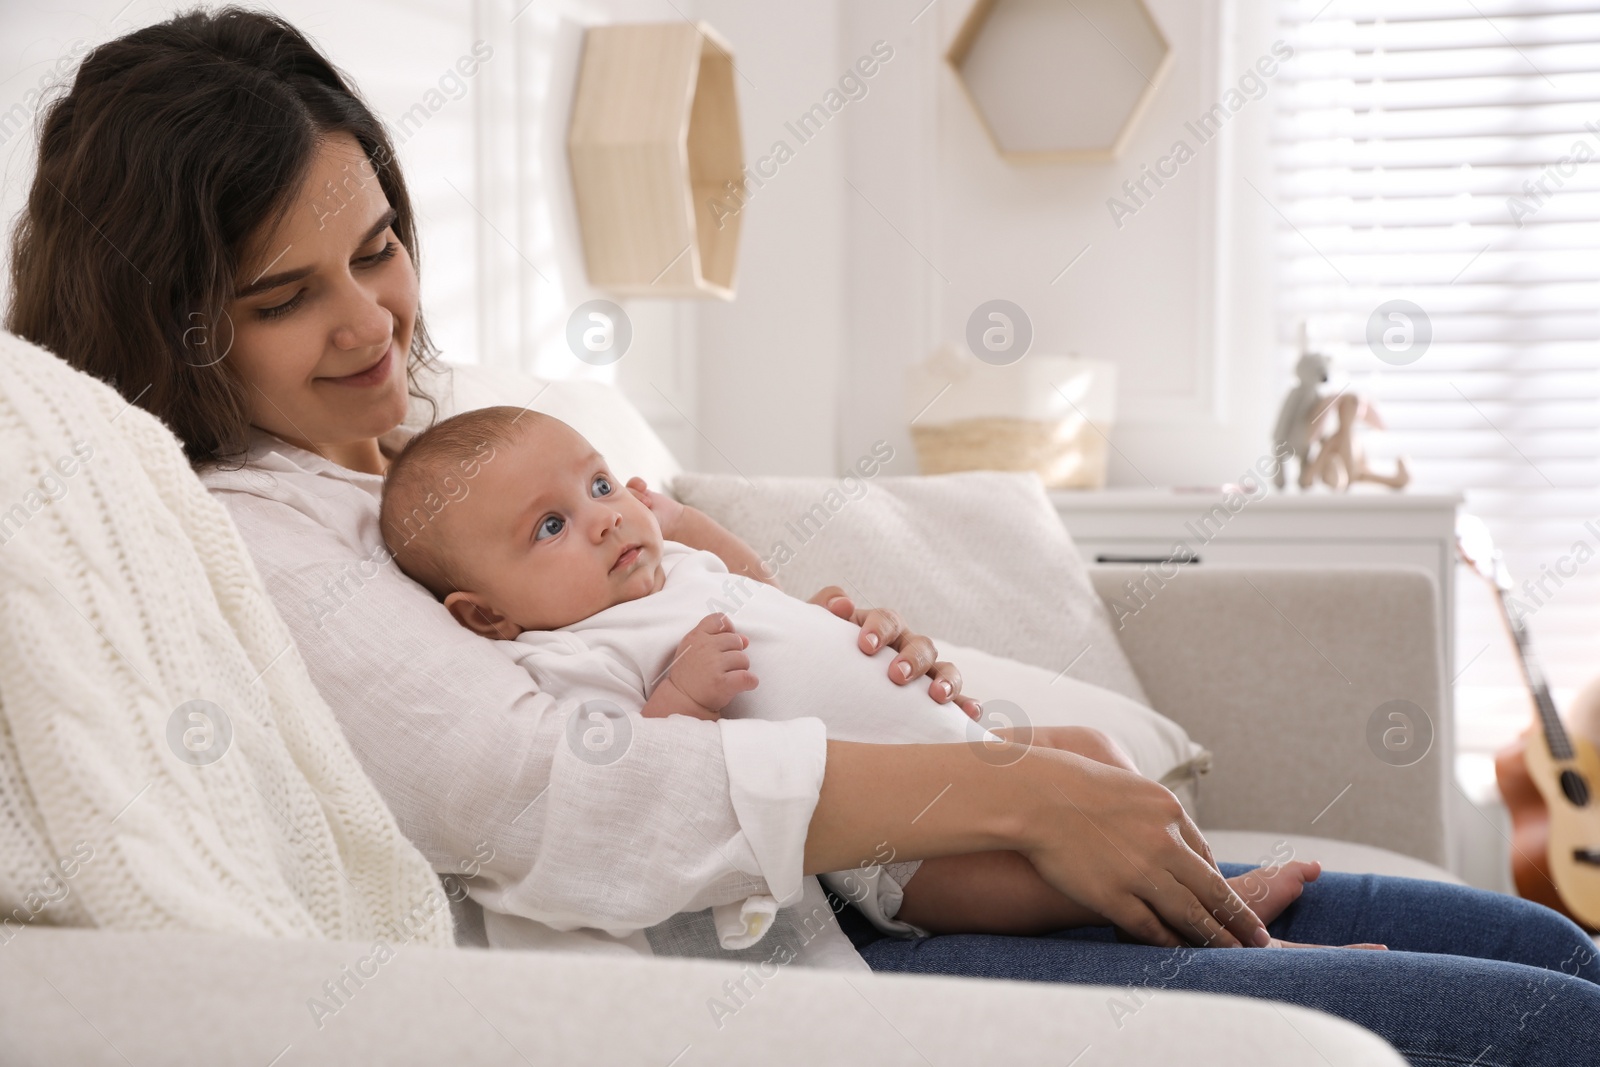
(515, 522)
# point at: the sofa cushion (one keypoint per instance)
(979, 558)
(1262, 848)
(1018, 617)
(1020, 694)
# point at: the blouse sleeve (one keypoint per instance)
(562, 818)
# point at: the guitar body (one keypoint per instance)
(1550, 779)
(1530, 827)
(1556, 855)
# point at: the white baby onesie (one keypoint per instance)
(807, 664)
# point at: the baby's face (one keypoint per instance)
(549, 536)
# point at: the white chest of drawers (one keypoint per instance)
(1279, 529)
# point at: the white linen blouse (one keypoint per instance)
(499, 783)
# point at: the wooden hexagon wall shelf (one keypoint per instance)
(1059, 80)
(654, 144)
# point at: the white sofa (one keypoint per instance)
(89, 998)
(1236, 676)
(163, 998)
(1257, 684)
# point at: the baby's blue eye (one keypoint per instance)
(601, 486)
(552, 525)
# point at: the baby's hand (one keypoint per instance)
(666, 510)
(708, 671)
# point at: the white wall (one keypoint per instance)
(748, 386)
(874, 244)
(769, 361)
(865, 251)
(951, 224)
(529, 274)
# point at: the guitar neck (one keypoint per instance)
(1555, 732)
(1477, 550)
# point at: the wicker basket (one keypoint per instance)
(1066, 454)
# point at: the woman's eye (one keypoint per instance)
(385, 253)
(602, 485)
(549, 527)
(279, 310)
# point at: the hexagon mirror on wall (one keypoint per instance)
(1059, 80)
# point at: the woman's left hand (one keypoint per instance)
(917, 656)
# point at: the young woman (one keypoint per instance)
(218, 226)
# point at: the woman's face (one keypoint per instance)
(327, 301)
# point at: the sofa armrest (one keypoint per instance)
(169, 998)
(1281, 673)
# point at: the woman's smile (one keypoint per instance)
(375, 374)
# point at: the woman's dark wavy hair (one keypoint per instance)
(174, 147)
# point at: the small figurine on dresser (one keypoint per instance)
(1324, 432)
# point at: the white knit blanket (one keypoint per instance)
(126, 594)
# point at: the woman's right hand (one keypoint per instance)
(1114, 842)
(1122, 846)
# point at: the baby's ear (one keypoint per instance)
(479, 617)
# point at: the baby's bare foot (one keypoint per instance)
(1269, 890)
(1276, 943)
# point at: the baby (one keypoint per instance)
(515, 522)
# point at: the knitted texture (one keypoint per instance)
(126, 594)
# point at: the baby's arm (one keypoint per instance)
(1080, 739)
(693, 527)
(707, 671)
(1001, 893)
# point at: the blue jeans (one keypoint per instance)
(1471, 977)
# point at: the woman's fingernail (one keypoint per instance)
(904, 670)
(942, 688)
(1262, 938)
(872, 642)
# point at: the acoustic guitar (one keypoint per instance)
(1548, 777)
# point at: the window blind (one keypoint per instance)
(1448, 154)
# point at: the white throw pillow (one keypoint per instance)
(595, 409)
(980, 562)
(980, 558)
(1017, 694)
